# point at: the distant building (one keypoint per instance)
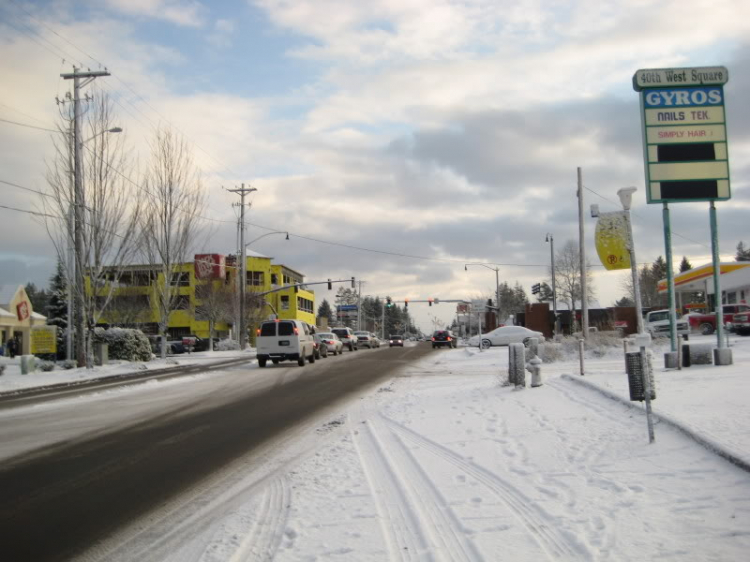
(199, 283)
(17, 317)
(734, 280)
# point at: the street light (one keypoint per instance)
(497, 284)
(626, 197)
(242, 282)
(551, 239)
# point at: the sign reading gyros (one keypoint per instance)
(684, 133)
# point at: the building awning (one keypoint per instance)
(733, 275)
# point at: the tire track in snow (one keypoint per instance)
(541, 526)
(265, 538)
(441, 524)
(400, 525)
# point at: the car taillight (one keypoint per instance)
(296, 331)
(449, 338)
(257, 332)
(433, 339)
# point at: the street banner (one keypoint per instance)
(612, 240)
(43, 339)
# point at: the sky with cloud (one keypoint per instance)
(434, 132)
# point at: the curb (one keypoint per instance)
(705, 442)
(133, 376)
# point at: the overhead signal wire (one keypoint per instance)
(27, 125)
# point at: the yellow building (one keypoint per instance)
(17, 317)
(207, 287)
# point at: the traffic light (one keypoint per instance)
(429, 301)
(330, 285)
(388, 303)
(535, 289)
(353, 283)
(406, 304)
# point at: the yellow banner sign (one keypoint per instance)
(612, 240)
(44, 339)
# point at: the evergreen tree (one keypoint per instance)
(625, 301)
(742, 253)
(325, 311)
(57, 308)
(39, 298)
(685, 265)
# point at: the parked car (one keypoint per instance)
(657, 324)
(444, 338)
(396, 339)
(366, 339)
(331, 341)
(741, 322)
(505, 335)
(705, 323)
(347, 337)
(201, 344)
(174, 347)
(285, 340)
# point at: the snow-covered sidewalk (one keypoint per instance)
(445, 463)
(13, 380)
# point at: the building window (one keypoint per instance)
(284, 302)
(180, 279)
(274, 279)
(304, 305)
(255, 278)
(732, 297)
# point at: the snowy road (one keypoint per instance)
(440, 463)
(75, 471)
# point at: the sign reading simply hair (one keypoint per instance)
(684, 133)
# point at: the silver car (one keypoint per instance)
(505, 335)
(332, 342)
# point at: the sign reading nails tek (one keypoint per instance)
(684, 133)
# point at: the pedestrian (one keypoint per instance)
(12, 347)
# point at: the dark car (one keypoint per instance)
(444, 338)
(396, 340)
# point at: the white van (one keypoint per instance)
(285, 340)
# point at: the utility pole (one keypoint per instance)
(582, 253)
(359, 307)
(89, 76)
(551, 240)
(242, 269)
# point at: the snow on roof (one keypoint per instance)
(4, 312)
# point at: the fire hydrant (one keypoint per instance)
(534, 366)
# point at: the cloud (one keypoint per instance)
(187, 13)
(222, 34)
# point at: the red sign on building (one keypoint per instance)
(210, 266)
(23, 311)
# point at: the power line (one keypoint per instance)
(27, 125)
(29, 212)
(26, 188)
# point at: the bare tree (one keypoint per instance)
(108, 229)
(215, 302)
(169, 220)
(568, 275)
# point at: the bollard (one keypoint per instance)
(580, 353)
(625, 345)
(679, 352)
(516, 364)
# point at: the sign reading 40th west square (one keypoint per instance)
(684, 133)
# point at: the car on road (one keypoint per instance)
(505, 335)
(285, 340)
(396, 340)
(444, 338)
(741, 322)
(366, 339)
(347, 337)
(331, 341)
(705, 323)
